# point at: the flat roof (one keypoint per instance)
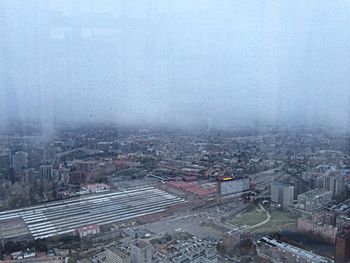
(140, 244)
(295, 250)
(85, 260)
(118, 252)
(64, 216)
(13, 228)
(317, 192)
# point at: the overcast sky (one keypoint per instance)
(211, 62)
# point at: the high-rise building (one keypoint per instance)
(115, 255)
(141, 252)
(335, 183)
(19, 161)
(5, 164)
(342, 248)
(45, 172)
(282, 194)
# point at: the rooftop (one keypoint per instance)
(118, 252)
(294, 250)
(88, 227)
(65, 216)
(315, 193)
(84, 260)
(141, 244)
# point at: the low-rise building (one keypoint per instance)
(234, 237)
(85, 260)
(343, 221)
(273, 250)
(314, 199)
(95, 188)
(116, 255)
(192, 250)
(324, 217)
(325, 231)
(231, 239)
(341, 208)
(202, 257)
(23, 254)
(88, 230)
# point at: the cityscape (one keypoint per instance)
(163, 131)
(113, 194)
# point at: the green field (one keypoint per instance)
(280, 220)
(253, 215)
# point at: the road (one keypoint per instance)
(268, 217)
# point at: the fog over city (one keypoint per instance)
(174, 131)
(206, 62)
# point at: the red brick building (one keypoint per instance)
(342, 248)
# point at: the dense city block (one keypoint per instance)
(118, 194)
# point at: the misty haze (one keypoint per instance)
(174, 131)
(175, 62)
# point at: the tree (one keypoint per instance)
(168, 238)
(220, 248)
(72, 260)
(11, 246)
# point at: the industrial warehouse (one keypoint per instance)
(63, 217)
